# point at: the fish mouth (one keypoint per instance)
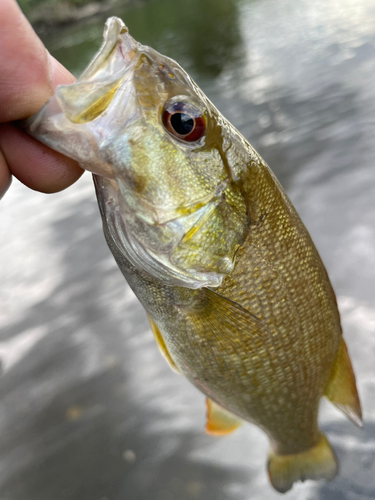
(102, 94)
(92, 93)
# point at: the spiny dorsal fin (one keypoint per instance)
(162, 347)
(341, 389)
(319, 462)
(218, 420)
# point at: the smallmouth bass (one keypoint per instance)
(237, 297)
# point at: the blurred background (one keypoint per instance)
(88, 408)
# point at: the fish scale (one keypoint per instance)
(237, 296)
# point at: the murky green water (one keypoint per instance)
(202, 35)
(89, 410)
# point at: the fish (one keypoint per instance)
(237, 297)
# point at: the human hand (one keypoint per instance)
(28, 77)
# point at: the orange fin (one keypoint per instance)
(218, 420)
(341, 389)
(318, 462)
(162, 347)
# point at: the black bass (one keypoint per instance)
(237, 296)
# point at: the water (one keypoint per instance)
(88, 408)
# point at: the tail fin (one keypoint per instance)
(318, 462)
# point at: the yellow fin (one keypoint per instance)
(227, 319)
(218, 420)
(318, 462)
(341, 389)
(162, 347)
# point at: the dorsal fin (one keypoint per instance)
(341, 389)
(218, 420)
(162, 347)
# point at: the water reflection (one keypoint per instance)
(89, 410)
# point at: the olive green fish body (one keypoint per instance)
(276, 377)
(237, 296)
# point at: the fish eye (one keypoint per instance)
(184, 121)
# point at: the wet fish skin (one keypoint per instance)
(214, 250)
(284, 370)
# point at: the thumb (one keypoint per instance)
(28, 73)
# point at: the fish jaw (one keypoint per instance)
(81, 119)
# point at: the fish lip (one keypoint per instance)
(90, 96)
(66, 124)
(114, 35)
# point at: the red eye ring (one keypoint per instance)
(184, 121)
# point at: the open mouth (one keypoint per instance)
(90, 96)
(64, 121)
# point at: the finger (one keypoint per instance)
(28, 73)
(5, 176)
(25, 71)
(34, 164)
(27, 79)
(60, 75)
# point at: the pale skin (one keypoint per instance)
(28, 77)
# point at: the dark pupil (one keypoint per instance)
(182, 123)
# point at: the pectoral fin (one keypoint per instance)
(222, 318)
(218, 420)
(162, 347)
(341, 389)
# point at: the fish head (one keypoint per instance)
(166, 189)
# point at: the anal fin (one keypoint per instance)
(218, 420)
(162, 347)
(341, 389)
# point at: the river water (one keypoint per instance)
(88, 408)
